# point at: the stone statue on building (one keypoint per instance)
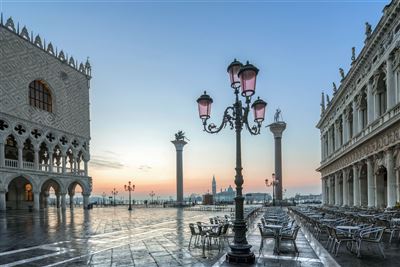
(334, 88)
(278, 115)
(341, 71)
(328, 102)
(368, 30)
(353, 54)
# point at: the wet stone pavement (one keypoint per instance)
(116, 237)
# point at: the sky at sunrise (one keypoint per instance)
(151, 60)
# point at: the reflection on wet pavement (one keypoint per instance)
(103, 237)
(117, 237)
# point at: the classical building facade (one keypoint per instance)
(44, 122)
(360, 126)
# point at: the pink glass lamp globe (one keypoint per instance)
(259, 110)
(204, 103)
(233, 70)
(248, 74)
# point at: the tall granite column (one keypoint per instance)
(179, 144)
(277, 129)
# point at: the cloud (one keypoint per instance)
(145, 168)
(105, 162)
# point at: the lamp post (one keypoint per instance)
(130, 188)
(114, 192)
(242, 78)
(152, 194)
(273, 183)
(104, 198)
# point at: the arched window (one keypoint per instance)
(40, 96)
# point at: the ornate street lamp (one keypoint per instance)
(152, 194)
(130, 188)
(114, 192)
(236, 117)
(273, 183)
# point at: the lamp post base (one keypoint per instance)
(240, 254)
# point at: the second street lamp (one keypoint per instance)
(237, 117)
(273, 183)
(114, 192)
(130, 188)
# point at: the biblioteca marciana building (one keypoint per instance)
(44, 122)
(360, 126)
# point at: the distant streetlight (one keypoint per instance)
(130, 188)
(114, 192)
(273, 183)
(152, 194)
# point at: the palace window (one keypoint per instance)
(40, 96)
(28, 192)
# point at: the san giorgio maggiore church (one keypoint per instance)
(360, 125)
(44, 122)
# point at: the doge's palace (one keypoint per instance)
(44, 121)
(360, 124)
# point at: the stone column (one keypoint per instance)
(179, 144)
(85, 200)
(20, 158)
(345, 187)
(337, 190)
(36, 200)
(2, 157)
(345, 129)
(370, 102)
(58, 201)
(63, 201)
(64, 162)
(391, 179)
(328, 136)
(355, 117)
(397, 184)
(331, 191)
(323, 185)
(71, 201)
(390, 85)
(376, 105)
(36, 158)
(85, 163)
(277, 129)
(356, 186)
(51, 160)
(3, 205)
(370, 183)
(336, 139)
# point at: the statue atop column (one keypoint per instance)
(180, 136)
(278, 116)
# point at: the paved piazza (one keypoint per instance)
(115, 237)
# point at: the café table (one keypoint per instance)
(277, 229)
(211, 227)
